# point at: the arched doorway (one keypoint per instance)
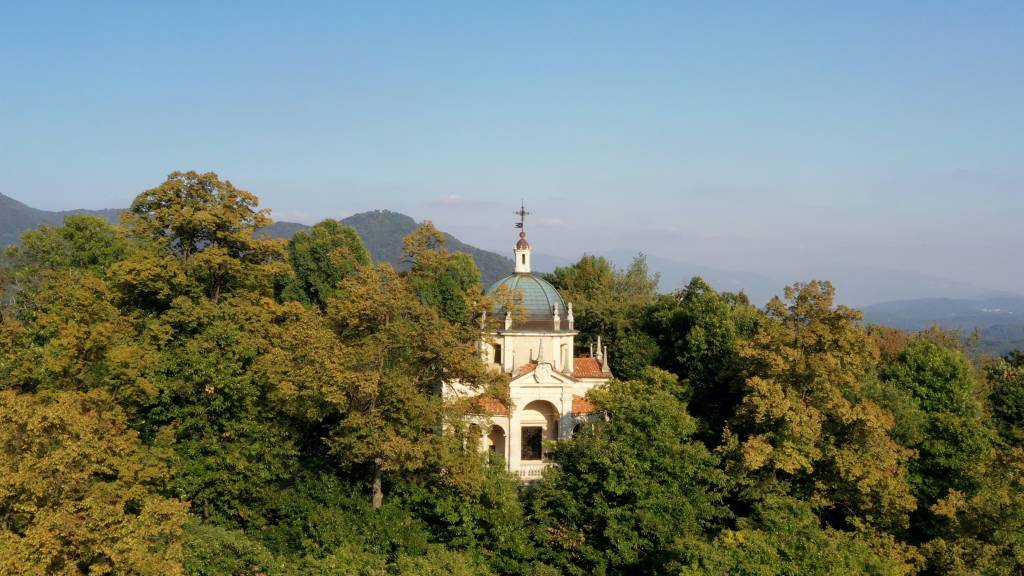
(496, 443)
(539, 423)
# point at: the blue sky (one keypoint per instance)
(791, 139)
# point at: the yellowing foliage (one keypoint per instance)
(74, 491)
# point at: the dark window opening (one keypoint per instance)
(532, 443)
(524, 259)
(497, 353)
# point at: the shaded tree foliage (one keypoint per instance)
(697, 332)
(610, 303)
(627, 488)
(321, 257)
(181, 396)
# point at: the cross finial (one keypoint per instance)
(522, 213)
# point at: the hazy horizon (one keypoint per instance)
(789, 142)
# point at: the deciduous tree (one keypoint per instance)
(805, 426)
(76, 491)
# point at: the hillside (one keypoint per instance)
(16, 217)
(1000, 319)
(381, 230)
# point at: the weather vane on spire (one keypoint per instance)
(522, 213)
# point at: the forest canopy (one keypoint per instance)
(180, 395)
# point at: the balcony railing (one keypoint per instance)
(532, 470)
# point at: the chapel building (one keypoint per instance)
(548, 381)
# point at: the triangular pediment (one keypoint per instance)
(542, 374)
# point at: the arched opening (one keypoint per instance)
(539, 423)
(496, 443)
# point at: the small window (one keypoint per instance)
(524, 259)
(497, 353)
(532, 443)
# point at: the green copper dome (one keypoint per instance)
(539, 298)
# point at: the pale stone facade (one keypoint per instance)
(548, 382)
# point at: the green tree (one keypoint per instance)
(447, 282)
(627, 488)
(986, 529)
(609, 303)
(806, 426)
(76, 491)
(783, 536)
(956, 442)
(83, 243)
(321, 257)
(1006, 378)
(490, 523)
(698, 331)
(208, 224)
(399, 351)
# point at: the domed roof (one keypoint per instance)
(539, 296)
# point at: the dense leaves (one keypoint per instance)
(322, 256)
(77, 491)
(181, 396)
(806, 425)
(627, 488)
(609, 303)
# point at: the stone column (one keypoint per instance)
(514, 439)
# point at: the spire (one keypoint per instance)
(599, 348)
(556, 318)
(569, 317)
(604, 361)
(540, 351)
(522, 250)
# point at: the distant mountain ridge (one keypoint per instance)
(381, 230)
(999, 319)
(16, 217)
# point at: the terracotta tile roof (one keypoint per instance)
(581, 405)
(491, 405)
(525, 369)
(587, 367)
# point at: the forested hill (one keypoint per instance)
(197, 401)
(381, 230)
(16, 217)
(999, 319)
